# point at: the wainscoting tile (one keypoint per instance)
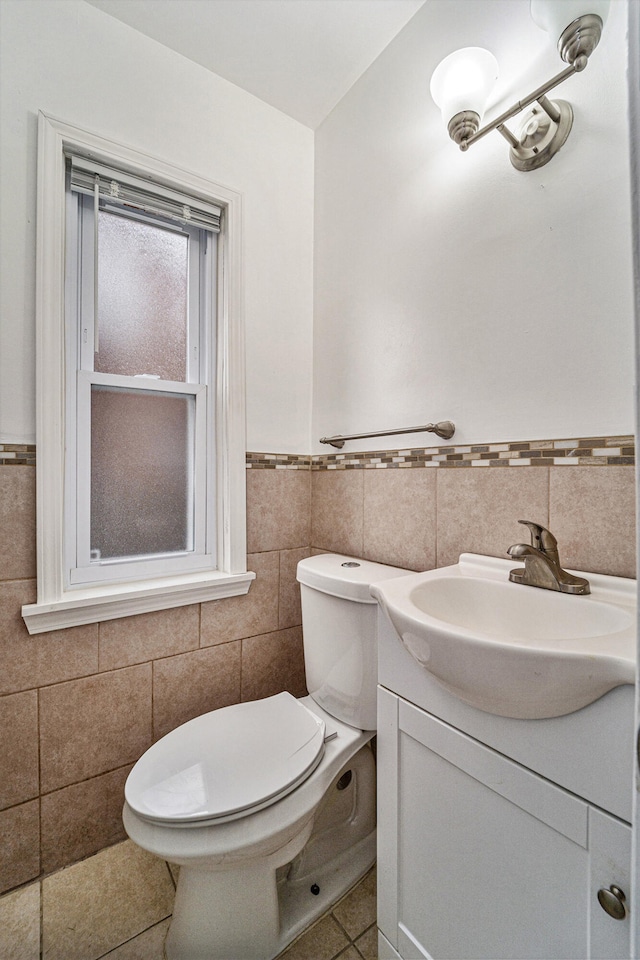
(27, 662)
(19, 844)
(249, 615)
(592, 515)
(289, 611)
(81, 819)
(148, 636)
(194, 683)
(20, 924)
(273, 663)
(400, 517)
(17, 522)
(93, 725)
(278, 505)
(478, 510)
(19, 778)
(337, 511)
(99, 904)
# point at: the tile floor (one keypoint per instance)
(117, 905)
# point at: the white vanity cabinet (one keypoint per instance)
(479, 855)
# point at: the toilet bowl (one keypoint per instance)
(268, 806)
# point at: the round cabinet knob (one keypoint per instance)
(612, 902)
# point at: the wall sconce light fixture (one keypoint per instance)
(462, 83)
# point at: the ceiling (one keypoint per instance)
(300, 56)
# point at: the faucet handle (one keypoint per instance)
(542, 539)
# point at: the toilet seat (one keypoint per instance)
(227, 763)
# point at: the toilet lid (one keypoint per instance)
(226, 763)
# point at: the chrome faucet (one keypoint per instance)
(542, 563)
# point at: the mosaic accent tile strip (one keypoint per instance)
(277, 461)
(17, 454)
(590, 451)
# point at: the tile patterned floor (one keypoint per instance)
(348, 931)
(117, 905)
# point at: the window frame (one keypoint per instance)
(58, 604)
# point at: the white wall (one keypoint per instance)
(448, 285)
(75, 63)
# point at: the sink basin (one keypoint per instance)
(514, 650)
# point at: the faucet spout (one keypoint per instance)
(542, 564)
(543, 539)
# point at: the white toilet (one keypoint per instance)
(269, 806)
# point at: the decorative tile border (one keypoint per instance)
(591, 451)
(20, 454)
(277, 461)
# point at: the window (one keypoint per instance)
(140, 318)
(140, 430)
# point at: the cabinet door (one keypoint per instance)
(478, 856)
(610, 865)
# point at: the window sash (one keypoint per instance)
(201, 288)
(85, 570)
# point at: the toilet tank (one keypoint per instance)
(339, 628)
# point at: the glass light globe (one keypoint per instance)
(464, 81)
(554, 16)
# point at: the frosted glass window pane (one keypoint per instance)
(142, 299)
(141, 468)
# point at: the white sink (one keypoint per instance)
(514, 650)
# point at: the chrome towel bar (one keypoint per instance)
(444, 429)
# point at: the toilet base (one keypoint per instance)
(232, 914)
(263, 920)
(253, 910)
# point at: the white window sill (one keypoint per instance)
(112, 601)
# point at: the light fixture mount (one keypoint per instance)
(542, 132)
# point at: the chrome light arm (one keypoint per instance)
(543, 131)
(538, 95)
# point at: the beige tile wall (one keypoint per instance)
(425, 517)
(79, 706)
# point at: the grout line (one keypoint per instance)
(152, 702)
(41, 911)
(173, 882)
(332, 914)
(279, 597)
(39, 880)
(435, 520)
(363, 513)
(131, 939)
